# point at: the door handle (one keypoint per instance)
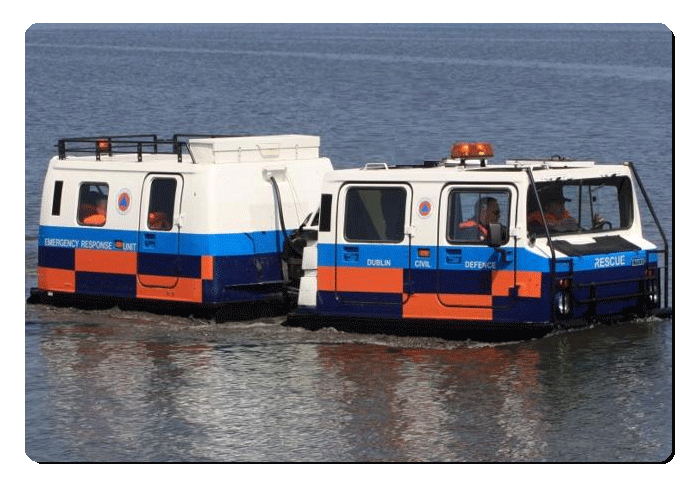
(453, 256)
(351, 254)
(149, 240)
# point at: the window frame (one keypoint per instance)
(482, 191)
(171, 203)
(81, 202)
(57, 197)
(625, 185)
(403, 188)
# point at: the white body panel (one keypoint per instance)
(219, 196)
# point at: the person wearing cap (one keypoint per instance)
(476, 229)
(556, 216)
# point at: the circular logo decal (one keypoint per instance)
(124, 201)
(425, 208)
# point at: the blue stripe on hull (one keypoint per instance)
(507, 307)
(361, 304)
(57, 257)
(522, 310)
(194, 244)
(594, 286)
(246, 266)
(243, 278)
(107, 284)
(169, 265)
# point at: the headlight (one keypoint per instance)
(562, 301)
(651, 287)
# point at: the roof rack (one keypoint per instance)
(125, 144)
(554, 161)
(425, 164)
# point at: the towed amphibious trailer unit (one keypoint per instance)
(200, 220)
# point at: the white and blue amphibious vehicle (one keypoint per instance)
(452, 246)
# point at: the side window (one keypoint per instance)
(325, 218)
(92, 204)
(375, 214)
(57, 191)
(598, 203)
(161, 204)
(471, 212)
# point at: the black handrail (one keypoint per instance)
(553, 261)
(124, 144)
(658, 226)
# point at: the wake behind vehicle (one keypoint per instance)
(452, 246)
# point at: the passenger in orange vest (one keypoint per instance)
(555, 214)
(159, 221)
(476, 229)
(98, 218)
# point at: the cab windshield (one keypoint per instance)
(575, 206)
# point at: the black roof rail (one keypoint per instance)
(138, 144)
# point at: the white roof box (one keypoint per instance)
(254, 149)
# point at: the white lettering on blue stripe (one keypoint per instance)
(611, 261)
(372, 262)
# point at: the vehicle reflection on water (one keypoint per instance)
(117, 386)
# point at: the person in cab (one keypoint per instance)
(99, 217)
(556, 217)
(476, 229)
(159, 221)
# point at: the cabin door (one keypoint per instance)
(473, 276)
(372, 244)
(159, 263)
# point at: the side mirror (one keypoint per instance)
(498, 235)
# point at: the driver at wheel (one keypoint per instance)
(556, 216)
(487, 211)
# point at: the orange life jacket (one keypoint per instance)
(551, 219)
(472, 224)
(158, 221)
(483, 232)
(96, 219)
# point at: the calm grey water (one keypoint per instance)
(110, 385)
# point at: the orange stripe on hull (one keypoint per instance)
(326, 279)
(373, 280)
(529, 283)
(207, 267)
(429, 305)
(185, 290)
(56, 279)
(105, 261)
(358, 279)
